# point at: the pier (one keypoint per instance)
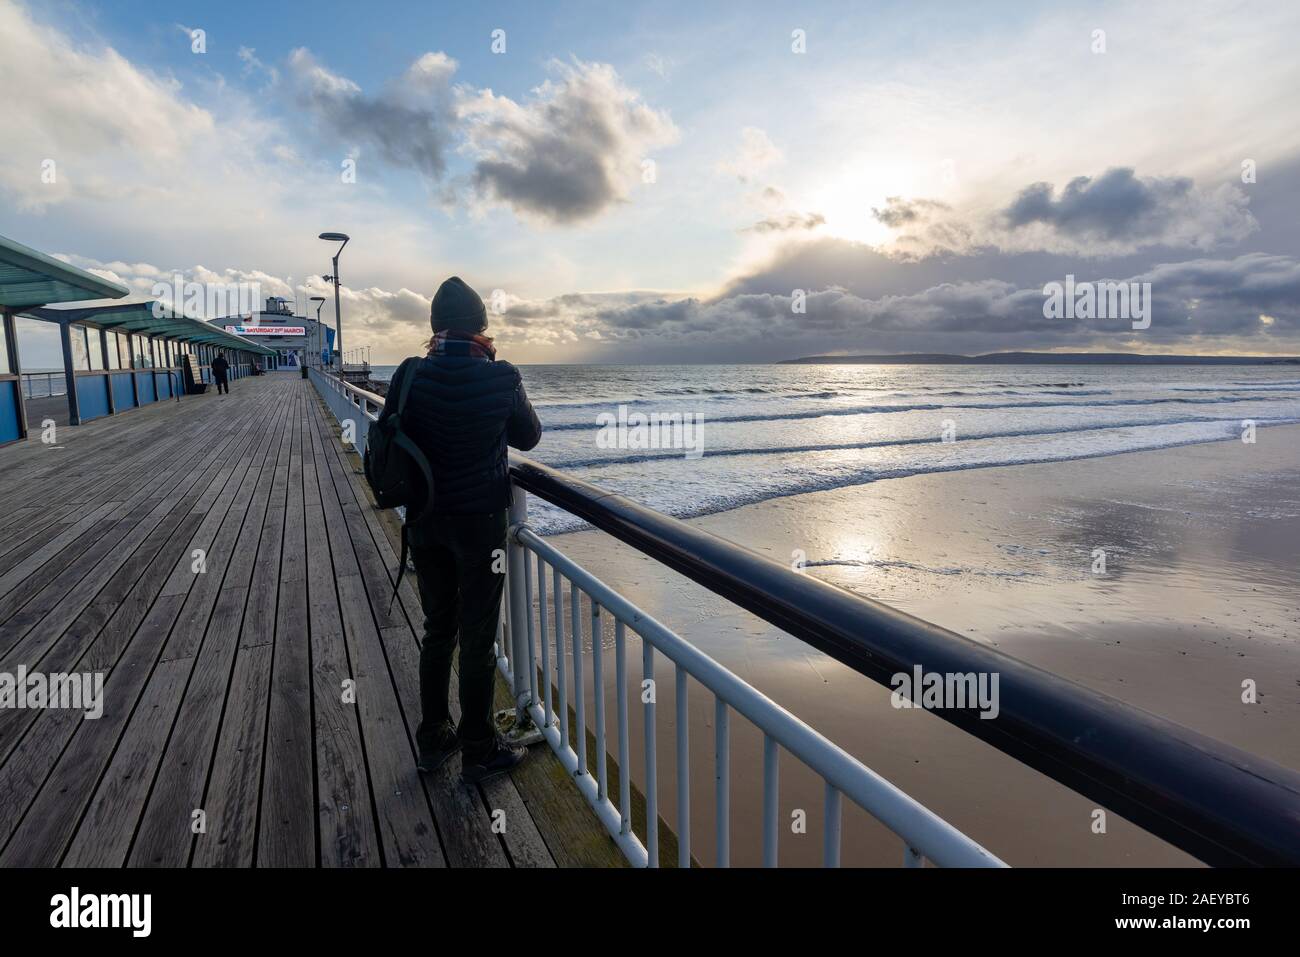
(219, 564)
(218, 561)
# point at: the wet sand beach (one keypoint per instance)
(1202, 550)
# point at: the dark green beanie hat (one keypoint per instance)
(457, 306)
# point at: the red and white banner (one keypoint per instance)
(267, 330)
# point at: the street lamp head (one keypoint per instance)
(317, 298)
(334, 279)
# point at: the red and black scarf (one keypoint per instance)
(456, 342)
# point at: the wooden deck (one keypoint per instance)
(226, 739)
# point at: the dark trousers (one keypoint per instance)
(222, 385)
(459, 565)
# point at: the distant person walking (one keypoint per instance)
(463, 408)
(220, 372)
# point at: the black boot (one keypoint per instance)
(442, 744)
(495, 758)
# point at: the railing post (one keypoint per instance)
(524, 730)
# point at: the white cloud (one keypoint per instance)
(253, 64)
(98, 118)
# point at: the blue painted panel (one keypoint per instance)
(92, 396)
(164, 383)
(123, 398)
(8, 412)
(144, 385)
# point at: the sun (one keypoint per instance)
(847, 200)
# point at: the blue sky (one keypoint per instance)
(655, 182)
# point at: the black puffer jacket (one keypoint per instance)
(462, 412)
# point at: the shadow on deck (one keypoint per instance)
(219, 561)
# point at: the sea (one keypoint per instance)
(765, 431)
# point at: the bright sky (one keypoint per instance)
(648, 182)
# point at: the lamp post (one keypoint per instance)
(320, 303)
(338, 318)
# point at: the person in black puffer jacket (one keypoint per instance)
(465, 406)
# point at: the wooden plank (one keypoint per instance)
(233, 794)
(126, 601)
(57, 605)
(125, 589)
(91, 620)
(18, 585)
(25, 524)
(49, 821)
(164, 838)
(403, 815)
(343, 799)
(51, 818)
(105, 461)
(19, 518)
(61, 572)
(98, 459)
(110, 824)
(23, 547)
(287, 834)
(514, 823)
(233, 791)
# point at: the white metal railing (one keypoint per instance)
(545, 690)
(349, 404)
(532, 659)
(51, 381)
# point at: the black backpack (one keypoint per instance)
(395, 467)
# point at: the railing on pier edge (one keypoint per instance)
(52, 381)
(1216, 802)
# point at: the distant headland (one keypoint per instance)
(1044, 358)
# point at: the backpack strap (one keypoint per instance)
(403, 441)
(404, 387)
(401, 566)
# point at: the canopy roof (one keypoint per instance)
(30, 278)
(153, 319)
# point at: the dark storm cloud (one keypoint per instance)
(1199, 299)
(1250, 303)
(790, 222)
(570, 153)
(1113, 203)
(1108, 215)
(1120, 206)
(900, 212)
(564, 156)
(410, 122)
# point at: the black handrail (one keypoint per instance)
(1221, 804)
